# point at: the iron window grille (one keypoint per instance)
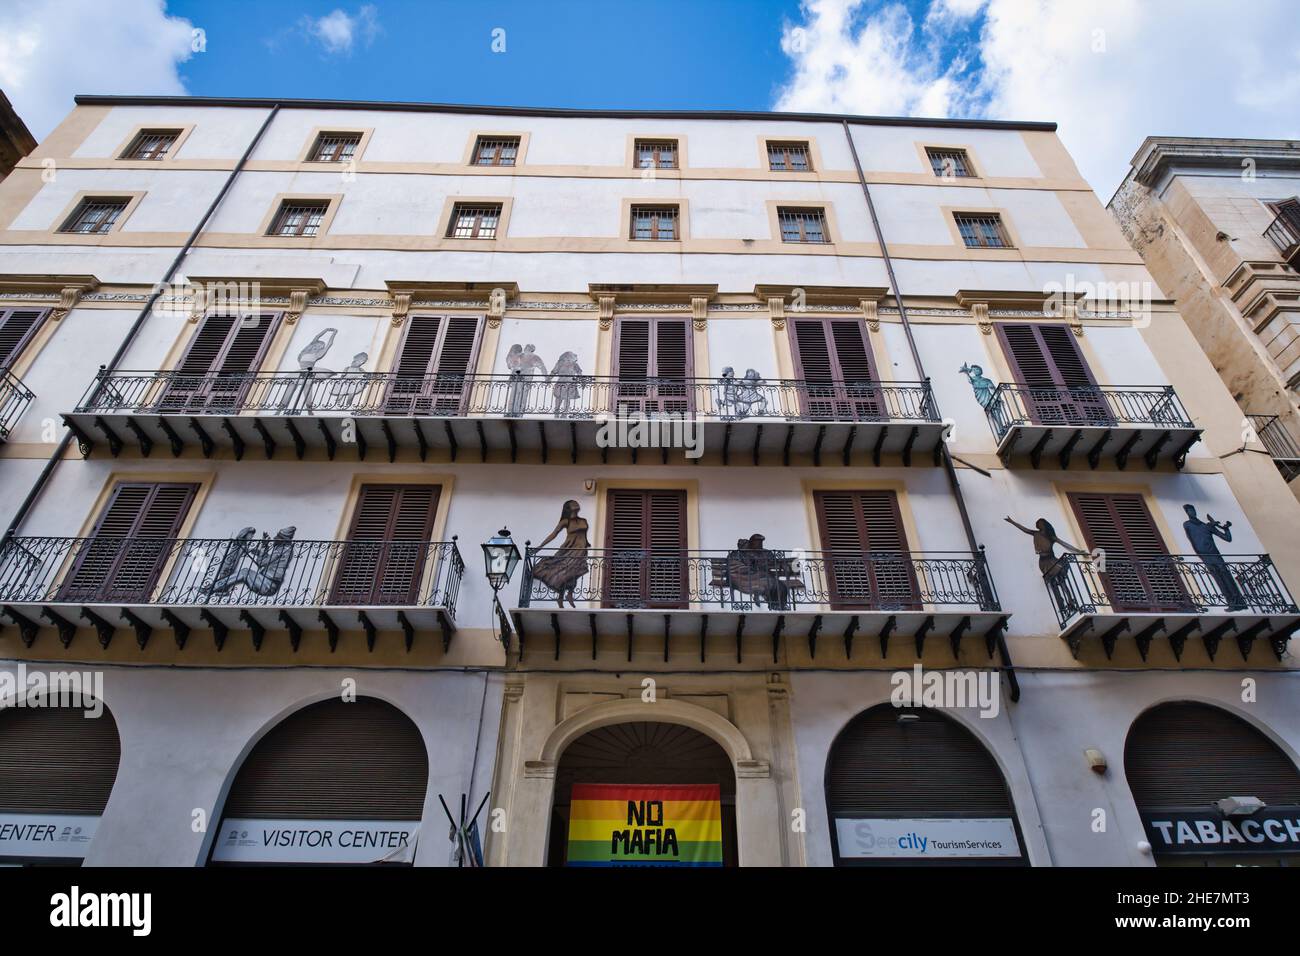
(655, 223)
(94, 215)
(788, 157)
(474, 222)
(496, 151)
(153, 144)
(982, 231)
(656, 154)
(802, 225)
(334, 147)
(949, 163)
(299, 219)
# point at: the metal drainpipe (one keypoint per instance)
(1003, 651)
(48, 470)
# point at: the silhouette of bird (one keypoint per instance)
(315, 350)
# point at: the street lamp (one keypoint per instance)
(500, 557)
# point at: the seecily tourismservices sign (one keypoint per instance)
(614, 824)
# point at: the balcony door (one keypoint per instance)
(868, 563)
(645, 549)
(1138, 576)
(833, 359)
(17, 328)
(653, 358)
(388, 545)
(216, 372)
(437, 353)
(126, 552)
(1048, 364)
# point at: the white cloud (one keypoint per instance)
(338, 31)
(1110, 72)
(52, 50)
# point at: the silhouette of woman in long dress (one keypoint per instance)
(1050, 564)
(561, 571)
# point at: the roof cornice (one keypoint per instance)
(309, 104)
(1158, 154)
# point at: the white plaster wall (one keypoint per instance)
(893, 149)
(219, 132)
(741, 344)
(174, 199)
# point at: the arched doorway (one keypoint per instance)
(338, 782)
(620, 771)
(911, 786)
(57, 768)
(1211, 789)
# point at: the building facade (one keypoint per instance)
(867, 490)
(1217, 222)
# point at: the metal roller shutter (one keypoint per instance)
(1185, 755)
(57, 760)
(363, 760)
(928, 767)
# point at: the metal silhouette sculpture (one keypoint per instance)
(737, 398)
(1201, 534)
(523, 362)
(316, 349)
(767, 576)
(982, 386)
(562, 570)
(566, 378)
(1050, 565)
(269, 560)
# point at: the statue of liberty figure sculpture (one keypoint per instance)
(986, 395)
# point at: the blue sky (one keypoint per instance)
(1109, 72)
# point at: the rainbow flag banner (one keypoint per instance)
(615, 824)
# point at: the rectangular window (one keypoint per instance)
(982, 230)
(387, 546)
(134, 537)
(298, 218)
(833, 360)
(474, 222)
(802, 225)
(645, 549)
(653, 359)
(496, 150)
(788, 157)
(656, 154)
(1139, 576)
(94, 215)
(868, 563)
(436, 354)
(334, 147)
(152, 144)
(655, 223)
(949, 163)
(217, 370)
(17, 327)
(1056, 386)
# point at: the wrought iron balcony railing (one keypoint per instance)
(1098, 406)
(1280, 444)
(1284, 232)
(14, 399)
(1168, 584)
(240, 572)
(746, 580)
(387, 394)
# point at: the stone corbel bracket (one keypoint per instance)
(608, 296)
(247, 290)
(781, 299)
(69, 289)
(980, 302)
(497, 295)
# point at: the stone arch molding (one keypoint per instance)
(724, 732)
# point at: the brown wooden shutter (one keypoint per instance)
(654, 348)
(854, 522)
(17, 328)
(132, 540)
(1047, 360)
(437, 353)
(220, 356)
(1185, 756)
(57, 760)
(645, 546)
(833, 358)
(387, 545)
(1121, 525)
(929, 766)
(335, 760)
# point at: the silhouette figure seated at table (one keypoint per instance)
(767, 577)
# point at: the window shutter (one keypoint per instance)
(1046, 359)
(220, 356)
(653, 349)
(854, 522)
(437, 352)
(17, 327)
(387, 545)
(645, 543)
(1121, 525)
(54, 760)
(130, 544)
(833, 358)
